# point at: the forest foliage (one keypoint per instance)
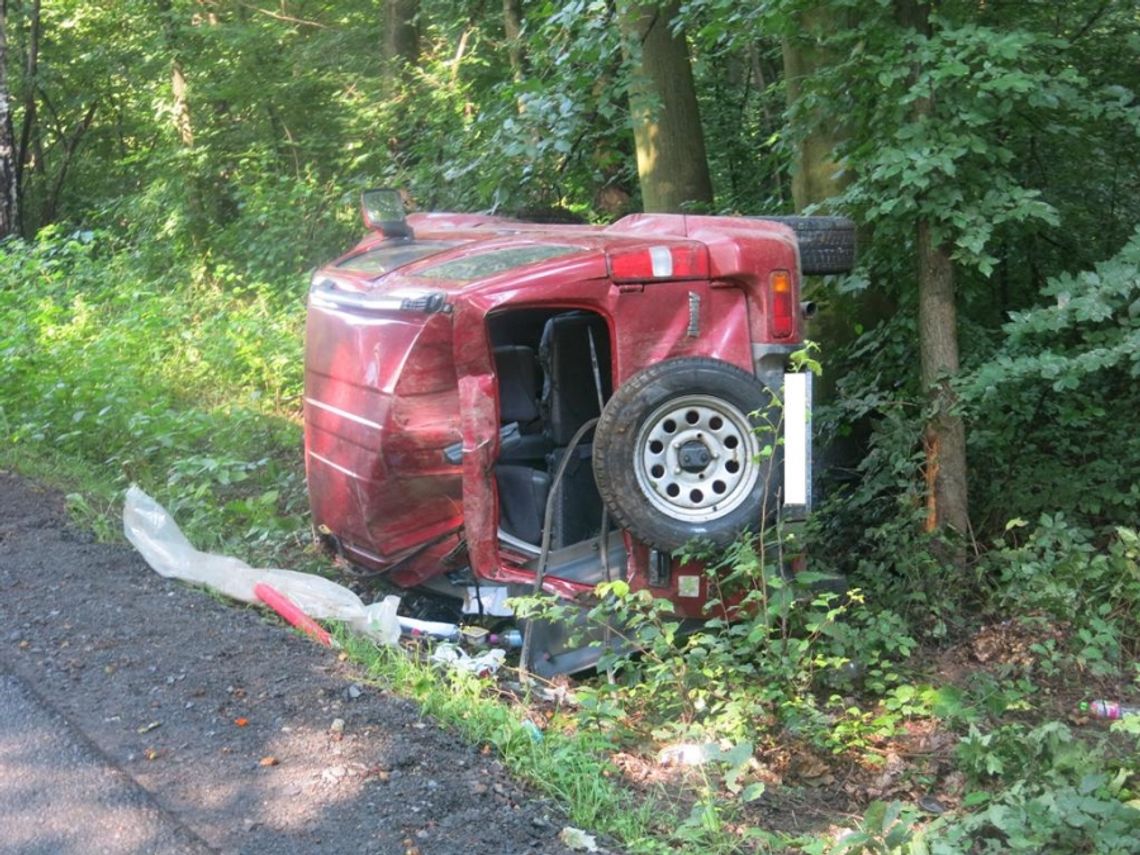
(180, 165)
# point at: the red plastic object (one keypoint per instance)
(291, 612)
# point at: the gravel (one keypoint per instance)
(226, 730)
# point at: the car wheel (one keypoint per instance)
(677, 453)
(827, 244)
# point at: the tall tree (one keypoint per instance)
(31, 74)
(512, 29)
(9, 196)
(809, 49)
(945, 437)
(401, 45)
(671, 159)
(816, 173)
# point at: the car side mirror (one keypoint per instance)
(382, 209)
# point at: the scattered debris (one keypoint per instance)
(483, 665)
(293, 615)
(153, 532)
(577, 839)
(930, 804)
(688, 754)
(484, 600)
(558, 692)
(430, 628)
(1108, 709)
(510, 638)
(241, 722)
(268, 761)
(147, 728)
(476, 636)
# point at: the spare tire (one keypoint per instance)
(677, 453)
(827, 244)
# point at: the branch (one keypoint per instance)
(70, 146)
(278, 16)
(30, 76)
(1093, 18)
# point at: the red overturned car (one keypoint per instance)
(494, 405)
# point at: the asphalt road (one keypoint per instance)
(141, 715)
(59, 793)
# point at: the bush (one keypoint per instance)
(188, 388)
(1050, 412)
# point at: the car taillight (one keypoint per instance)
(781, 317)
(645, 264)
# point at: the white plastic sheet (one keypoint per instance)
(487, 601)
(158, 539)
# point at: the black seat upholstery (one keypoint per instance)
(520, 473)
(569, 392)
(522, 500)
(519, 386)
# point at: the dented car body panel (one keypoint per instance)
(448, 375)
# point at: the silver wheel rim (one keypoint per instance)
(680, 436)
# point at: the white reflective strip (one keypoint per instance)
(688, 586)
(327, 298)
(343, 414)
(797, 436)
(661, 261)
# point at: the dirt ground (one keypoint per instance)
(249, 736)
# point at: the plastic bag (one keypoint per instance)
(158, 539)
(483, 665)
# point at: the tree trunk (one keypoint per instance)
(671, 160)
(181, 110)
(945, 439)
(401, 46)
(9, 195)
(512, 28)
(31, 73)
(947, 501)
(816, 177)
(180, 107)
(70, 146)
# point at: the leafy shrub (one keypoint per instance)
(1064, 572)
(1057, 795)
(1050, 412)
(187, 388)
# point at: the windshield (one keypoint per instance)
(385, 257)
(493, 261)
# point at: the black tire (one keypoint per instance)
(827, 244)
(649, 465)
